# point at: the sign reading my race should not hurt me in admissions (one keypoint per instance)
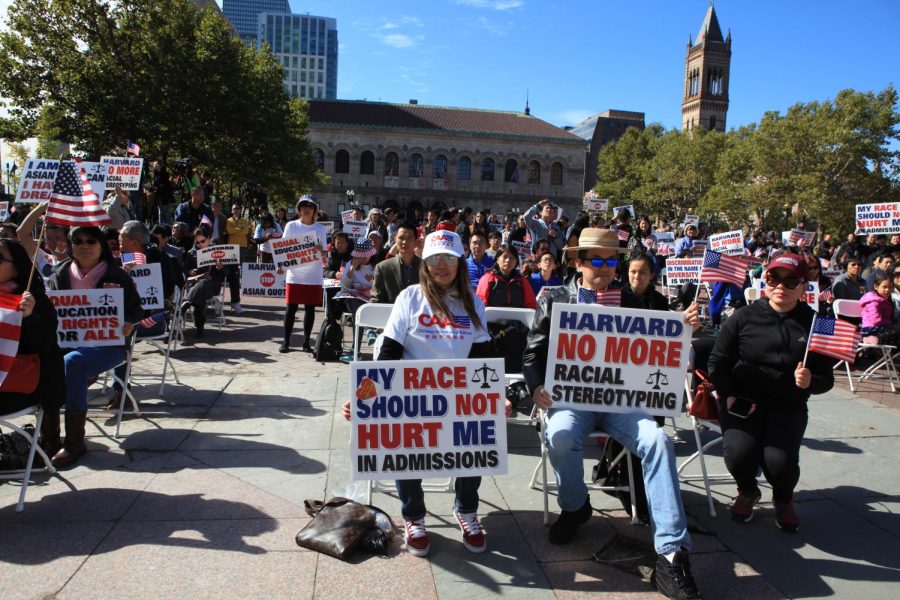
(148, 280)
(261, 280)
(427, 418)
(227, 254)
(878, 218)
(608, 359)
(89, 317)
(294, 252)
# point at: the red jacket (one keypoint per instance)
(515, 292)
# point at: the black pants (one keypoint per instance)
(769, 438)
(309, 316)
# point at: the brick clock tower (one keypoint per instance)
(706, 77)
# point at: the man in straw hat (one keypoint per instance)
(597, 258)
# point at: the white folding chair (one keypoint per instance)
(545, 484)
(852, 308)
(369, 315)
(164, 342)
(124, 382)
(751, 294)
(25, 474)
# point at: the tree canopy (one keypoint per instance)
(817, 160)
(174, 78)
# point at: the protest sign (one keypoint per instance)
(261, 280)
(547, 289)
(96, 176)
(698, 247)
(346, 216)
(730, 242)
(692, 220)
(683, 270)
(523, 249)
(294, 252)
(328, 225)
(228, 254)
(36, 183)
(628, 207)
(4, 210)
(610, 359)
(878, 218)
(89, 317)
(810, 296)
(797, 237)
(665, 243)
(598, 205)
(355, 229)
(148, 279)
(123, 171)
(832, 274)
(427, 418)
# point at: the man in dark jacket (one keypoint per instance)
(394, 275)
(598, 253)
(191, 213)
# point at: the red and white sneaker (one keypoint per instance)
(473, 534)
(416, 537)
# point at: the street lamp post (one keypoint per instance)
(350, 195)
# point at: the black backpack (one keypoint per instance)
(508, 339)
(330, 343)
(618, 475)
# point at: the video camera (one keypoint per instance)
(183, 165)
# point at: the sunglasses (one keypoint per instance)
(791, 283)
(433, 261)
(599, 262)
(82, 241)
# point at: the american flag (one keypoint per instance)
(721, 267)
(133, 149)
(152, 320)
(601, 297)
(10, 329)
(623, 235)
(835, 338)
(73, 202)
(826, 295)
(131, 259)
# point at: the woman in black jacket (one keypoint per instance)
(763, 386)
(640, 277)
(206, 281)
(37, 336)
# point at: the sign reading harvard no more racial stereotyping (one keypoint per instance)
(608, 359)
(89, 317)
(427, 418)
(878, 218)
(123, 171)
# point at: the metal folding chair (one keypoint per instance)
(25, 474)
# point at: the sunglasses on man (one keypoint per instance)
(599, 262)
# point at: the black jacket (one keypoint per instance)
(652, 299)
(336, 261)
(534, 362)
(758, 350)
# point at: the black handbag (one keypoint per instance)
(340, 526)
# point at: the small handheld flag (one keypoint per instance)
(152, 320)
(10, 330)
(721, 267)
(132, 259)
(601, 297)
(133, 149)
(835, 338)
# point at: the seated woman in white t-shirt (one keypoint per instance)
(440, 318)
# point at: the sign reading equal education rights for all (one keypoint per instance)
(89, 317)
(294, 252)
(427, 418)
(608, 359)
(227, 254)
(261, 280)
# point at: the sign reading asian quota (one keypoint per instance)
(227, 254)
(261, 280)
(148, 280)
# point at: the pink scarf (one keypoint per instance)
(86, 281)
(9, 287)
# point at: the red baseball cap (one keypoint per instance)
(794, 264)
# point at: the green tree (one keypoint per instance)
(620, 171)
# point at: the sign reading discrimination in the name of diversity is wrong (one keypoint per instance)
(89, 317)
(148, 280)
(730, 242)
(427, 418)
(261, 280)
(37, 180)
(810, 296)
(355, 229)
(228, 254)
(123, 171)
(878, 218)
(609, 359)
(294, 252)
(683, 270)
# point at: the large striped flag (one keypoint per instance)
(835, 338)
(73, 202)
(721, 267)
(132, 259)
(10, 329)
(603, 297)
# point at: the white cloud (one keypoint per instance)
(399, 40)
(575, 115)
(492, 4)
(491, 27)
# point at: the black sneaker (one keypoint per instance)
(674, 579)
(284, 348)
(742, 507)
(563, 530)
(306, 347)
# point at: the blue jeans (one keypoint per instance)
(412, 498)
(83, 364)
(641, 435)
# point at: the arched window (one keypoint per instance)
(511, 171)
(556, 174)
(391, 165)
(439, 166)
(320, 159)
(534, 172)
(342, 162)
(464, 168)
(367, 163)
(487, 169)
(416, 165)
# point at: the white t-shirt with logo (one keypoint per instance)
(311, 272)
(425, 335)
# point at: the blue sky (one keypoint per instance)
(578, 58)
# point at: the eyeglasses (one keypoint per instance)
(599, 262)
(791, 283)
(435, 260)
(82, 241)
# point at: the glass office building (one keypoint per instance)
(307, 47)
(243, 14)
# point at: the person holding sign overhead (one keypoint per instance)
(439, 318)
(304, 282)
(763, 382)
(92, 266)
(598, 256)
